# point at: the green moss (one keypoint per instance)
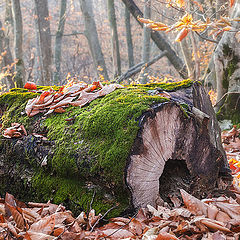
(232, 65)
(105, 130)
(229, 109)
(93, 146)
(173, 86)
(14, 103)
(76, 194)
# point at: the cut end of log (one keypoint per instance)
(172, 151)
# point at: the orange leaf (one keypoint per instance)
(231, 2)
(166, 236)
(180, 3)
(17, 216)
(143, 20)
(182, 34)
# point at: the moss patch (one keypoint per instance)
(92, 147)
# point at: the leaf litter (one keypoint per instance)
(215, 218)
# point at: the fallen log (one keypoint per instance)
(135, 146)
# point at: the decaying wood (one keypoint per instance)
(168, 134)
(178, 146)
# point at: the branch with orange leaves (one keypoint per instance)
(187, 24)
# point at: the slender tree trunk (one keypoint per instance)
(187, 58)
(93, 40)
(129, 38)
(39, 63)
(160, 41)
(115, 42)
(18, 40)
(7, 60)
(58, 41)
(43, 25)
(146, 40)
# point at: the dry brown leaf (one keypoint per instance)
(166, 236)
(44, 225)
(215, 225)
(135, 227)
(117, 233)
(38, 236)
(17, 216)
(222, 217)
(194, 205)
(233, 210)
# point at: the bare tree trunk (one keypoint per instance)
(7, 60)
(43, 25)
(58, 41)
(39, 64)
(146, 40)
(227, 68)
(115, 42)
(129, 38)
(18, 40)
(92, 37)
(187, 57)
(161, 42)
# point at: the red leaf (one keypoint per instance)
(30, 86)
(182, 34)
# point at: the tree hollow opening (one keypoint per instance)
(175, 176)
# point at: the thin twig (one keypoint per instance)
(94, 193)
(103, 216)
(205, 38)
(224, 97)
(121, 226)
(66, 229)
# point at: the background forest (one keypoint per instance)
(50, 41)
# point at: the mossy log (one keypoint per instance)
(133, 147)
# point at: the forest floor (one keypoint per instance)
(213, 218)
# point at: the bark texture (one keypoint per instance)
(115, 43)
(226, 67)
(129, 38)
(43, 29)
(19, 78)
(58, 40)
(92, 37)
(146, 46)
(134, 147)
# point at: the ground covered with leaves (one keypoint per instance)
(213, 218)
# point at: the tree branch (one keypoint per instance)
(137, 68)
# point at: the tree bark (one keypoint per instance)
(161, 42)
(129, 38)
(146, 47)
(43, 29)
(93, 40)
(58, 41)
(18, 41)
(7, 60)
(115, 42)
(227, 67)
(187, 58)
(130, 139)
